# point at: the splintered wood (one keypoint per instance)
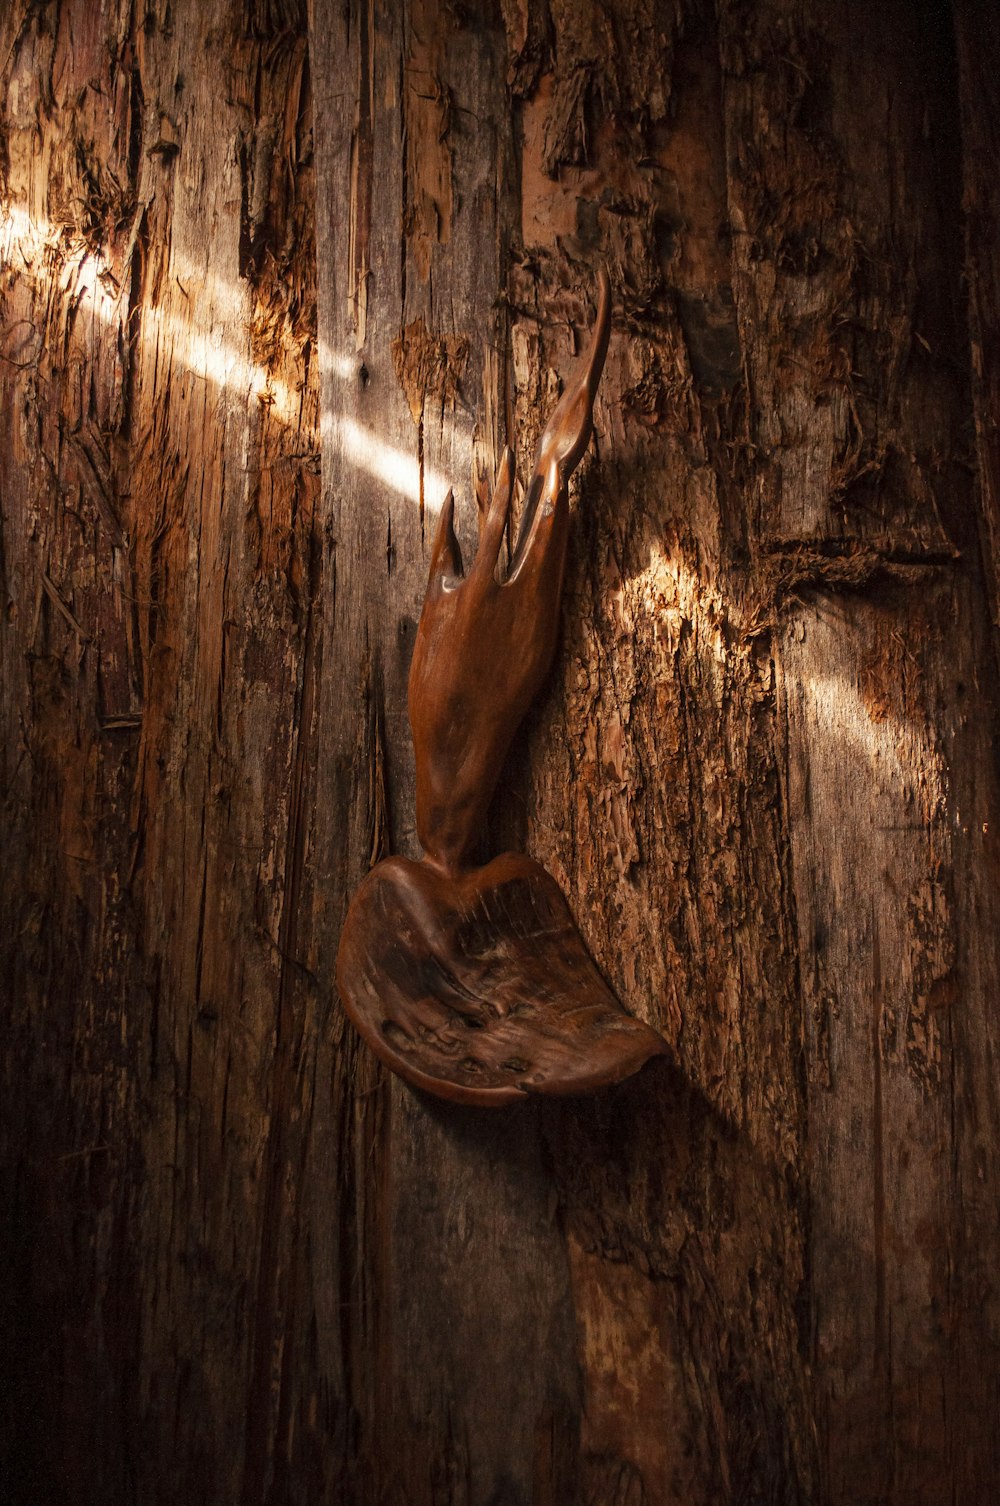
(243, 1264)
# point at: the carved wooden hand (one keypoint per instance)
(474, 983)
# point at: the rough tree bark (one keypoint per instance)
(242, 1264)
(160, 651)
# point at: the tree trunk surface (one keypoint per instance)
(238, 373)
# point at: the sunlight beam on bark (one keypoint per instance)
(38, 248)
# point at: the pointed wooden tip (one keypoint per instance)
(446, 556)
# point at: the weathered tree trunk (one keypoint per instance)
(158, 392)
(243, 1265)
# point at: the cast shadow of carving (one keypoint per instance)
(672, 1228)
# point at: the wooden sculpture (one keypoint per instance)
(474, 982)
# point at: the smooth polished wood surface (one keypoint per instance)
(484, 645)
(474, 982)
(479, 988)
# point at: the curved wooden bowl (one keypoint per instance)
(478, 987)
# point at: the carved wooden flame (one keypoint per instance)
(474, 982)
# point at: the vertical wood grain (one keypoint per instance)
(243, 1265)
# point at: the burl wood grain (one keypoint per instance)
(474, 982)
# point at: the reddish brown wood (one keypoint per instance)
(483, 646)
(244, 1263)
(479, 988)
(475, 983)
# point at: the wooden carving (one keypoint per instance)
(474, 982)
